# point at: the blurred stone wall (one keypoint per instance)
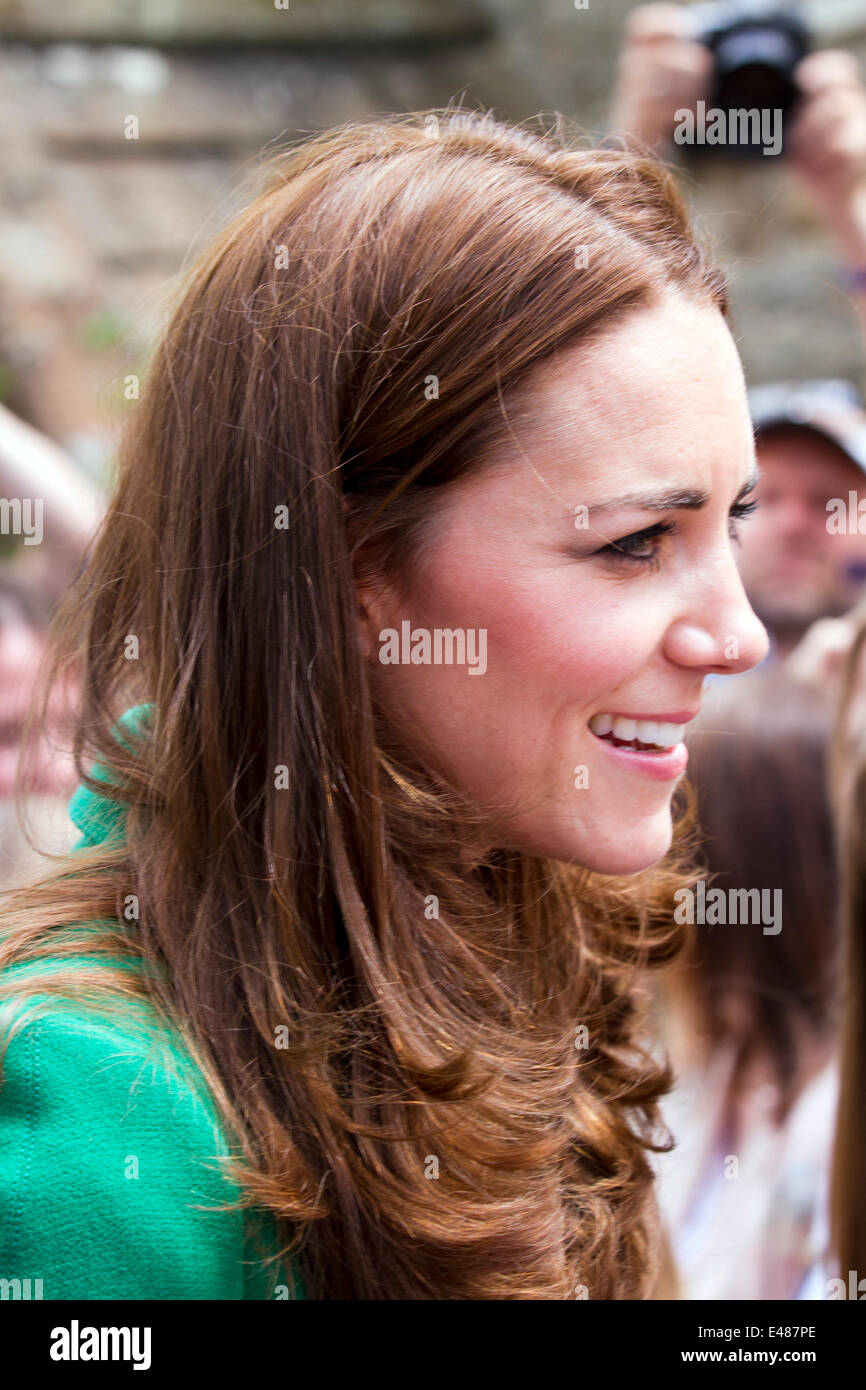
(95, 226)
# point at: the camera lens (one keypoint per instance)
(755, 67)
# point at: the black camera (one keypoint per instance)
(756, 48)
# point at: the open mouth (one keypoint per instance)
(638, 735)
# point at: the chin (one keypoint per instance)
(619, 849)
(628, 849)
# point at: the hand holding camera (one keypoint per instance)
(748, 54)
(827, 146)
(662, 68)
(739, 54)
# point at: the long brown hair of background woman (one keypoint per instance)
(848, 792)
(758, 765)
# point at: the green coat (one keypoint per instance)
(107, 1142)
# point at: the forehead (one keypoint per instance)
(660, 355)
(658, 398)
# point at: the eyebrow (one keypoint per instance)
(685, 499)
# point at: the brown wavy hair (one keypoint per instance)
(292, 375)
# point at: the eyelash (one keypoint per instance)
(625, 549)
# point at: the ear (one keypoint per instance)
(369, 622)
(371, 603)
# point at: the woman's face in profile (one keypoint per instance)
(590, 568)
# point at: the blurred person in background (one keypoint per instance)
(71, 504)
(747, 1015)
(663, 69)
(803, 554)
(33, 578)
(847, 1222)
(25, 614)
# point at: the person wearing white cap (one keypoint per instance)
(802, 556)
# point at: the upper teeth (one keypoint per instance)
(642, 730)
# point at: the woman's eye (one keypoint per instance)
(643, 547)
(739, 512)
(640, 547)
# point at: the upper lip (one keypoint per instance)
(680, 716)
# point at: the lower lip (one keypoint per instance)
(663, 767)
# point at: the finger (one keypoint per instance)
(831, 69)
(833, 108)
(846, 103)
(650, 22)
(671, 68)
(835, 118)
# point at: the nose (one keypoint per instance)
(719, 632)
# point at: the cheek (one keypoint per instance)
(851, 546)
(556, 639)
